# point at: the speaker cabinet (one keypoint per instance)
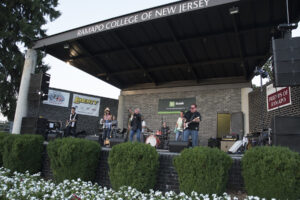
(92, 138)
(115, 141)
(34, 125)
(176, 146)
(286, 54)
(286, 132)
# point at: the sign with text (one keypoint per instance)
(173, 106)
(163, 11)
(278, 97)
(57, 98)
(86, 105)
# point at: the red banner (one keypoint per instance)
(279, 99)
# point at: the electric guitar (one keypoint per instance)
(186, 125)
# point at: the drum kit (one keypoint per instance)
(156, 139)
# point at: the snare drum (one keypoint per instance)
(153, 141)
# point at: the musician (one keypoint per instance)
(179, 127)
(192, 119)
(136, 125)
(71, 124)
(165, 130)
(107, 119)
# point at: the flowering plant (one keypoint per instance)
(25, 186)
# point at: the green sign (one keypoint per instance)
(174, 106)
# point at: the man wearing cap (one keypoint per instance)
(71, 123)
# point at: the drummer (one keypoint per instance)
(165, 130)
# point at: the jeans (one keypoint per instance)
(194, 133)
(70, 131)
(179, 135)
(138, 135)
(106, 133)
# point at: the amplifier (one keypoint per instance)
(176, 146)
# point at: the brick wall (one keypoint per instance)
(86, 123)
(167, 177)
(210, 102)
(255, 108)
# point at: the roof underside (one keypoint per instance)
(198, 46)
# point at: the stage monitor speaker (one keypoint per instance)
(177, 146)
(92, 138)
(286, 132)
(286, 54)
(115, 141)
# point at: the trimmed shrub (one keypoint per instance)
(73, 158)
(203, 170)
(2, 136)
(23, 152)
(272, 172)
(133, 164)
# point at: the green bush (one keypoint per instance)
(133, 164)
(23, 152)
(73, 158)
(272, 172)
(2, 136)
(203, 170)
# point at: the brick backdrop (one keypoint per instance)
(210, 103)
(90, 124)
(255, 108)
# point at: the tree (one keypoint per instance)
(20, 25)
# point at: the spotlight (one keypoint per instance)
(66, 46)
(234, 10)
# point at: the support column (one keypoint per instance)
(22, 102)
(121, 112)
(245, 108)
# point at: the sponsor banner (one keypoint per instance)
(57, 98)
(86, 105)
(278, 97)
(174, 106)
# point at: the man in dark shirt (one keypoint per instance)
(71, 124)
(192, 119)
(165, 130)
(136, 125)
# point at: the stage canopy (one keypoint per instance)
(178, 44)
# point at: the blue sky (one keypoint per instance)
(80, 13)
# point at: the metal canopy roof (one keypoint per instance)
(183, 43)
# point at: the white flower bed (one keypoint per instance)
(31, 187)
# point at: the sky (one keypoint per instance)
(79, 13)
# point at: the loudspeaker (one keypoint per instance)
(92, 138)
(34, 125)
(176, 146)
(115, 141)
(286, 54)
(34, 87)
(286, 132)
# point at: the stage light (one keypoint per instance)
(234, 10)
(66, 46)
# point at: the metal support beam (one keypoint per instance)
(184, 65)
(133, 57)
(171, 31)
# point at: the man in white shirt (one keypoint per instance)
(179, 126)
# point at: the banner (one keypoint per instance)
(86, 105)
(57, 98)
(278, 97)
(174, 106)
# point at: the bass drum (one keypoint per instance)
(153, 141)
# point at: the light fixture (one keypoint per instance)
(234, 10)
(66, 46)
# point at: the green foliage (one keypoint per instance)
(2, 136)
(272, 172)
(133, 164)
(203, 170)
(21, 24)
(23, 152)
(73, 158)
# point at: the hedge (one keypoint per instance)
(2, 136)
(73, 158)
(272, 172)
(203, 170)
(23, 152)
(133, 164)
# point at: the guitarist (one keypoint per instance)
(71, 123)
(192, 119)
